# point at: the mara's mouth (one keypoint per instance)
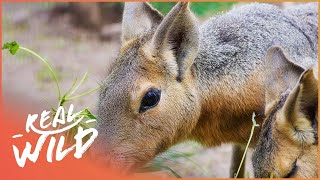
(124, 164)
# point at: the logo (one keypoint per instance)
(55, 130)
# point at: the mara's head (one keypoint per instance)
(288, 143)
(149, 101)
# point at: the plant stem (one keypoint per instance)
(48, 66)
(81, 81)
(83, 94)
(254, 124)
(72, 86)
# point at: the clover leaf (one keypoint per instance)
(12, 47)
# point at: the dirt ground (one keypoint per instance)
(72, 52)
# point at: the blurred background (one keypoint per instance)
(77, 38)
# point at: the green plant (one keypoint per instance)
(13, 47)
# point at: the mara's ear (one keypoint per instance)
(301, 106)
(138, 18)
(298, 117)
(178, 37)
(281, 74)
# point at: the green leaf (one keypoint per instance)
(12, 47)
(88, 114)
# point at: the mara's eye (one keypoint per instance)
(150, 100)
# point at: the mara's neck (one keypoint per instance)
(228, 102)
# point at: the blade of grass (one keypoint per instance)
(73, 84)
(48, 104)
(81, 81)
(172, 171)
(83, 94)
(254, 124)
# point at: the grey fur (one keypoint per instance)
(238, 40)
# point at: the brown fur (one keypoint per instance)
(211, 130)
